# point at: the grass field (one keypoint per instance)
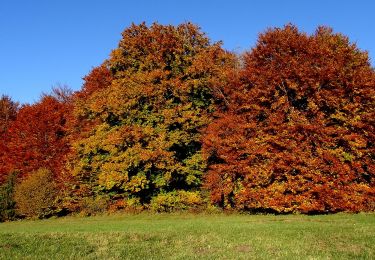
(189, 236)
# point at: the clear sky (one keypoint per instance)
(51, 42)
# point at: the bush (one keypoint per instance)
(93, 205)
(7, 204)
(132, 205)
(36, 195)
(176, 200)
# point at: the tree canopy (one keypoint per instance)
(173, 121)
(159, 93)
(299, 132)
(37, 138)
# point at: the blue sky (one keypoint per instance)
(51, 42)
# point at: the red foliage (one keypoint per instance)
(37, 138)
(292, 131)
(8, 112)
(100, 77)
(299, 132)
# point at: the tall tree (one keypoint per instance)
(299, 133)
(149, 110)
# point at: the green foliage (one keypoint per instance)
(176, 200)
(36, 195)
(7, 204)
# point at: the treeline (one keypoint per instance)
(171, 121)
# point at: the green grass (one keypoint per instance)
(189, 236)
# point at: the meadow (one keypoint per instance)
(191, 236)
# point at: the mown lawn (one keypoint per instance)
(188, 236)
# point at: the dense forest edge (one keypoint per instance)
(172, 121)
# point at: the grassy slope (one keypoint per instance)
(178, 236)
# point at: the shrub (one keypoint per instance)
(132, 205)
(176, 200)
(7, 204)
(93, 205)
(36, 195)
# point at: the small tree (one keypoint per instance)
(8, 112)
(36, 195)
(7, 204)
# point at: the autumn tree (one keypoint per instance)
(299, 133)
(7, 203)
(37, 137)
(8, 112)
(148, 102)
(81, 123)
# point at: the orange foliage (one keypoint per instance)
(289, 128)
(299, 132)
(145, 113)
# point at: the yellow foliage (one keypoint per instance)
(36, 195)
